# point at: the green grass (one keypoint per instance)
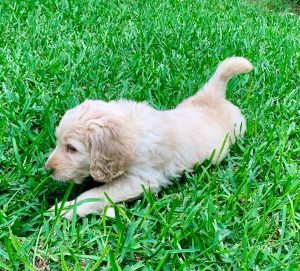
(241, 215)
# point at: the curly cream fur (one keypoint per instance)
(128, 145)
(111, 150)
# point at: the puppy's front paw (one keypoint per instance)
(82, 208)
(69, 214)
(110, 212)
(82, 212)
(66, 210)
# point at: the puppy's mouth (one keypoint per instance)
(59, 178)
(66, 179)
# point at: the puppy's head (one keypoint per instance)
(91, 140)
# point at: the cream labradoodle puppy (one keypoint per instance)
(127, 145)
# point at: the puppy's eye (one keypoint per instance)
(70, 148)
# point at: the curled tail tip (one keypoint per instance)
(234, 65)
(242, 64)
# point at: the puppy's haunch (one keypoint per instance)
(125, 144)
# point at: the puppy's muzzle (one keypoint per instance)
(50, 165)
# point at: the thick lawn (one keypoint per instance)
(240, 215)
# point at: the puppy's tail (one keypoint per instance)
(225, 71)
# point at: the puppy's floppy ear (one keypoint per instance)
(111, 149)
